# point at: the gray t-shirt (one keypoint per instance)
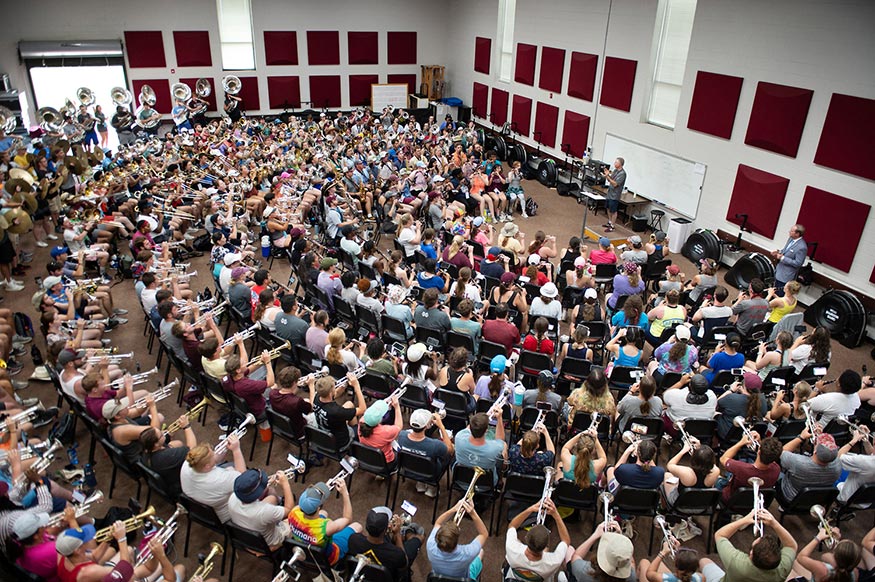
(750, 312)
(619, 176)
(800, 471)
(240, 296)
(291, 327)
(630, 406)
(173, 342)
(530, 397)
(432, 319)
(635, 256)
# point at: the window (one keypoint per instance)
(674, 27)
(235, 34)
(506, 18)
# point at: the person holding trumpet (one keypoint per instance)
(821, 469)
(245, 381)
(447, 556)
(843, 562)
(532, 557)
(98, 392)
(166, 457)
(83, 560)
(311, 526)
(252, 506)
(206, 478)
(388, 543)
(765, 466)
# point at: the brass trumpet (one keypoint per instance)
(469, 495)
(302, 381)
(132, 523)
(164, 535)
(287, 572)
(207, 564)
(22, 417)
(817, 511)
(810, 424)
(113, 359)
(606, 499)
(191, 415)
(273, 354)
(298, 467)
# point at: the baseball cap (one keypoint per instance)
(478, 220)
(420, 418)
(579, 262)
(635, 239)
(71, 540)
(250, 485)
(232, 258)
(549, 290)
(396, 293)
(375, 413)
(378, 520)
(682, 332)
(615, 555)
(604, 241)
(415, 352)
(826, 448)
(238, 272)
(297, 232)
(29, 523)
(590, 294)
(122, 572)
(111, 408)
(630, 267)
(498, 364)
(546, 377)
(534, 259)
(507, 277)
(312, 497)
(66, 356)
(50, 282)
(673, 269)
(493, 253)
(327, 262)
(59, 250)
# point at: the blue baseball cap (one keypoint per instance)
(604, 241)
(312, 497)
(71, 539)
(250, 485)
(375, 413)
(498, 364)
(59, 250)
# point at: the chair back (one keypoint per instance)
(605, 272)
(778, 379)
(575, 369)
(416, 396)
(807, 373)
(370, 459)
(322, 442)
(308, 361)
(247, 540)
(697, 501)
(653, 427)
(532, 363)
(702, 429)
(636, 501)
(655, 270)
(394, 328)
(156, 482)
(621, 377)
(457, 339)
(281, 425)
(456, 402)
(376, 385)
(723, 379)
(238, 405)
(526, 489)
(789, 430)
(668, 379)
(568, 494)
(118, 459)
(432, 577)
(741, 501)
(529, 415)
(214, 391)
(369, 319)
(808, 496)
(431, 337)
(345, 311)
(863, 497)
(417, 467)
(462, 477)
(370, 573)
(201, 513)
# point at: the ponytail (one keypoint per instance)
(495, 384)
(582, 461)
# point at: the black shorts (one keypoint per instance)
(7, 251)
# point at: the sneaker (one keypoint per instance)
(106, 342)
(21, 339)
(431, 491)
(119, 311)
(53, 236)
(42, 244)
(420, 487)
(119, 320)
(18, 351)
(13, 368)
(609, 229)
(19, 384)
(627, 529)
(223, 425)
(44, 417)
(13, 285)
(414, 529)
(28, 402)
(524, 215)
(683, 532)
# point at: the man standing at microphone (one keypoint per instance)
(616, 180)
(790, 258)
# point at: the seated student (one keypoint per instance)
(284, 398)
(703, 472)
(626, 348)
(604, 254)
(429, 279)
(500, 330)
(689, 398)
(834, 403)
(546, 303)
(526, 458)
(331, 416)
(843, 562)
(821, 469)
(642, 474)
(457, 376)
(439, 450)
(373, 433)
(714, 311)
(543, 392)
(765, 466)
(525, 561)
(639, 401)
(725, 357)
(632, 314)
(589, 310)
(743, 398)
(387, 542)
(309, 525)
(430, 315)
(465, 323)
(447, 556)
(582, 459)
(473, 449)
(538, 340)
(677, 355)
(665, 315)
(614, 558)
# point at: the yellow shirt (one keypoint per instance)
(778, 313)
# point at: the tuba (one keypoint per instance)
(202, 90)
(231, 85)
(147, 96)
(50, 119)
(122, 98)
(86, 98)
(7, 119)
(181, 91)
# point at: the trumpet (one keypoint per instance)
(313, 375)
(157, 395)
(163, 535)
(273, 354)
(358, 574)
(90, 324)
(298, 467)
(358, 373)
(545, 495)
(132, 523)
(758, 505)
(855, 427)
(217, 311)
(594, 422)
(25, 453)
(685, 436)
(207, 564)
(469, 495)
(183, 277)
(669, 537)
(140, 378)
(206, 304)
(817, 511)
(26, 415)
(113, 359)
(191, 415)
(630, 438)
(103, 351)
(94, 499)
(606, 499)
(811, 425)
(745, 430)
(244, 335)
(397, 393)
(352, 464)
(498, 405)
(539, 421)
(287, 572)
(238, 432)
(41, 464)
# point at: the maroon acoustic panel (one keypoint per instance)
(552, 67)
(524, 72)
(715, 99)
(778, 118)
(401, 48)
(163, 101)
(546, 118)
(409, 79)
(821, 213)
(362, 49)
(360, 89)
(760, 195)
(498, 112)
(284, 92)
(575, 132)
(846, 142)
(323, 47)
(521, 116)
(872, 276)
(479, 99)
(581, 79)
(482, 54)
(249, 93)
(211, 98)
(617, 83)
(192, 48)
(324, 91)
(145, 49)
(280, 47)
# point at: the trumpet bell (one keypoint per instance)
(817, 511)
(629, 437)
(738, 421)
(85, 96)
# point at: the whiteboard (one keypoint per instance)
(666, 179)
(389, 95)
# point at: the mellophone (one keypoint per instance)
(272, 354)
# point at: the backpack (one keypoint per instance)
(64, 429)
(125, 267)
(23, 324)
(203, 243)
(531, 207)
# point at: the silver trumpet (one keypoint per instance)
(113, 359)
(358, 574)
(819, 512)
(669, 537)
(244, 335)
(239, 432)
(140, 378)
(539, 421)
(302, 381)
(740, 423)
(217, 311)
(157, 395)
(298, 467)
(82, 509)
(855, 427)
(630, 438)
(545, 495)
(398, 392)
(200, 305)
(164, 535)
(25, 453)
(41, 464)
(606, 499)
(811, 425)
(685, 436)
(26, 415)
(287, 571)
(352, 464)
(758, 505)
(498, 405)
(358, 373)
(184, 277)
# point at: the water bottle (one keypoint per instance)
(265, 246)
(89, 482)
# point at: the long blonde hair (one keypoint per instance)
(455, 246)
(583, 453)
(403, 222)
(336, 339)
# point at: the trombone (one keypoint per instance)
(95, 498)
(545, 495)
(669, 537)
(273, 354)
(349, 464)
(163, 535)
(745, 430)
(244, 335)
(157, 395)
(132, 523)
(817, 511)
(191, 415)
(238, 432)
(206, 565)
(113, 359)
(469, 495)
(758, 505)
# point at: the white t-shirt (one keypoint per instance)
(147, 298)
(212, 488)
(524, 568)
(70, 238)
(861, 470)
(225, 279)
(552, 309)
(404, 237)
(679, 408)
(265, 518)
(349, 359)
(350, 246)
(472, 292)
(834, 404)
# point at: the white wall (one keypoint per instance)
(95, 19)
(825, 46)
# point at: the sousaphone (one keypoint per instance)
(50, 120)
(232, 85)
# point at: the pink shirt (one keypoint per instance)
(600, 257)
(41, 559)
(382, 438)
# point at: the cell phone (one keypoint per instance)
(408, 507)
(779, 381)
(638, 428)
(397, 349)
(78, 497)
(800, 329)
(720, 337)
(737, 371)
(543, 406)
(637, 374)
(438, 404)
(819, 371)
(759, 335)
